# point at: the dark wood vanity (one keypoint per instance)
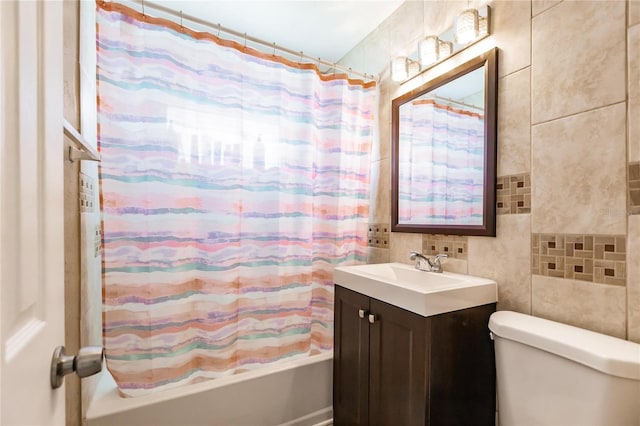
(393, 367)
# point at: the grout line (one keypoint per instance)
(627, 142)
(516, 71)
(531, 174)
(543, 11)
(578, 113)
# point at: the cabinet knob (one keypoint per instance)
(361, 313)
(372, 318)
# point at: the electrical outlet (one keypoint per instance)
(87, 193)
(97, 243)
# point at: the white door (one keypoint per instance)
(31, 211)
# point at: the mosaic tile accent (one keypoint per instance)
(596, 258)
(454, 246)
(378, 235)
(634, 188)
(513, 194)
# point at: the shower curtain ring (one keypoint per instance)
(245, 41)
(218, 30)
(143, 15)
(274, 49)
(301, 56)
(181, 26)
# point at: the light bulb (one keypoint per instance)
(445, 49)
(429, 50)
(413, 68)
(467, 26)
(399, 71)
(483, 27)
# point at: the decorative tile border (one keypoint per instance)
(596, 258)
(634, 188)
(378, 235)
(453, 245)
(513, 194)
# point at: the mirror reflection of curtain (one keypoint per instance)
(232, 184)
(441, 162)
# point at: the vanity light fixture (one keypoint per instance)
(399, 68)
(471, 26)
(429, 50)
(467, 26)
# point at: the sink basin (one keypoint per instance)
(421, 292)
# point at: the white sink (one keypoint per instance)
(421, 292)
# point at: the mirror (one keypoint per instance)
(443, 172)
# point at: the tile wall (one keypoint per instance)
(568, 224)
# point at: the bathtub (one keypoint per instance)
(294, 393)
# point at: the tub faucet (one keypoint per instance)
(424, 264)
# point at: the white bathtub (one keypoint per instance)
(293, 393)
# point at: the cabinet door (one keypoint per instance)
(462, 377)
(398, 366)
(351, 359)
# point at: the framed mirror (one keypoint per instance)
(443, 165)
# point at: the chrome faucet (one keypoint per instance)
(424, 264)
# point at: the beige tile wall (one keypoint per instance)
(634, 89)
(578, 173)
(569, 79)
(634, 12)
(506, 259)
(514, 123)
(573, 70)
(633, 269)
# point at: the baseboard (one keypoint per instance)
(322, 417)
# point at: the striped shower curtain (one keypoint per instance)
(446, 183)
(232, 183)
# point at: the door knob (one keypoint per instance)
(87, 363)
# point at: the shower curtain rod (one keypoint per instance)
(453, 101)
(300, 54)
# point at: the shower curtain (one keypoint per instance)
(232, 183)
(446, 184)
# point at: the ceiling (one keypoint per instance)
(327, 29)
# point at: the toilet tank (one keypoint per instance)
(550, 373)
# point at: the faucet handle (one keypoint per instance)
(414, 254)
(436, 266)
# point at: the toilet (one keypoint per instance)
(554, 374)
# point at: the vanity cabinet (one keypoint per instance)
(394, 367)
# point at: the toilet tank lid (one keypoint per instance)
(608, 354)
